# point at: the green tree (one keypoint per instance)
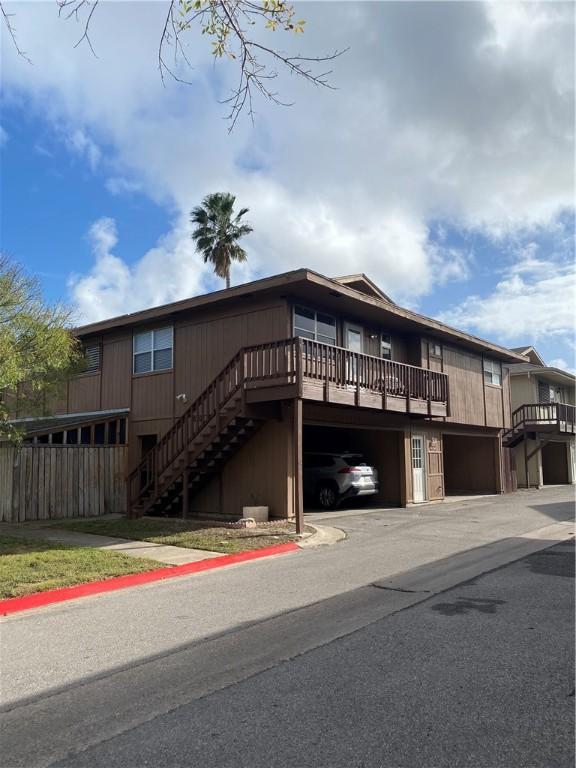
(37, 350)
(217, 232)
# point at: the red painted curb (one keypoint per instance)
(17, 604)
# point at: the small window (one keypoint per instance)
(153, 350)
(315, 326)
(386, 346)
(92, 358)
(435, 350)
(493, 372)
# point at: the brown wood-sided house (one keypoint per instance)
(543, 429)
(218, 396)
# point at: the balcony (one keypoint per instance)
(312, 370)
(549, 418)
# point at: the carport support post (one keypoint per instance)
(298, 489)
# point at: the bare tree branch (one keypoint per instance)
(12, 32)
(226, 23)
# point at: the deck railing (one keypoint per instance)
(284, 362)
(341, 367)
(545, 414)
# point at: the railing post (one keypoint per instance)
(299, 352)
(408, 388)
(327, 374)
(384, 383)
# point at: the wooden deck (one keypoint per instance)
(321, 372)
(545, 418)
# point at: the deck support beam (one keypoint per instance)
(297, 431)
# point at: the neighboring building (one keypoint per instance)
(543, 422)
(222, 393)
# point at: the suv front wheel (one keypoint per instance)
(327, 496)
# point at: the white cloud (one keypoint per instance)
(82, 145)
(559, 362)
(454, 111)
(118, 186)
(168, 272)
(535, 299)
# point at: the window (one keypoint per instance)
(153, 350)
(435, 349)
(386, 346)
(314, 325)
(92, 358)
(493, 372)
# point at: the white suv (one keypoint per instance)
(329, 478)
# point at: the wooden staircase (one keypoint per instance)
(534, 419)
(217, 424)
(196, 447)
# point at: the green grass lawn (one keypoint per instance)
(28, 566)
(184, 533)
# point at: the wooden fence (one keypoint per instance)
(41, 482)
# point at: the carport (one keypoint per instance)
(555, 464)
(380, 447)
(470, 464)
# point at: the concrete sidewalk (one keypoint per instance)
(163, 553)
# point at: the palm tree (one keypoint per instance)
(217, 232)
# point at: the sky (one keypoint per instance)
(441, 164)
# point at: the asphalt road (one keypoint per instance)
(480, 675)
(100, 635)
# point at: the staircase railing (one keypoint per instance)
(185, 429)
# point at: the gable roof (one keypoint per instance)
(309, 284)
(530, 353)
(545, 372)
(363, 284)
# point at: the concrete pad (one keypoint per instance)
(323, 535)
(164, 553)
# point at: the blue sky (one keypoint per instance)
(445, 175)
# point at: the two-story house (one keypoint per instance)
(218, 397)
(542, 435)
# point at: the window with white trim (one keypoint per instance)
(153, 350)
(386, 346)
(92, 358)
(493, 372)
(313, 325)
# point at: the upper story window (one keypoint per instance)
(548, 393)
(435, 349)
(386, 346)
(314, 325)
(153, 350)
(92, 358)
(493, 372)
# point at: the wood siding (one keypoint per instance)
(260, 474)
(44, 482)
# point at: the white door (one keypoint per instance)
(353, 342)
(418, 469)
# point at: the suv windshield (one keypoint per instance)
(354, 460)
